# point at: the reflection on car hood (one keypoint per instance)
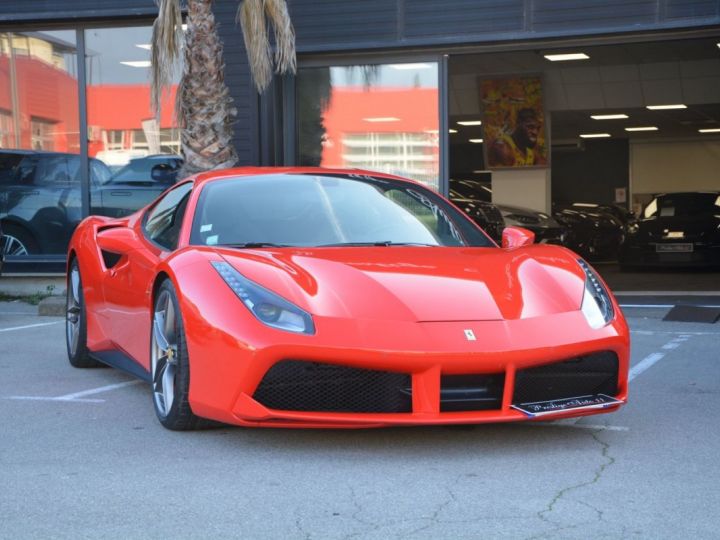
(418, 283)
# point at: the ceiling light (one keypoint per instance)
(410, 66)
(566, 57)
(452, 131)
(137, 63)
(594, 135)
(145, 46)
(608, 116)
(382, 119)
(184, 27)
(476, 141)
(709, 130)
(471, 123)
(642, 128)
(664, 107)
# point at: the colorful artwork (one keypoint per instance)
(514, 122)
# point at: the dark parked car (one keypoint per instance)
(2, 248)
(547, 230)
(40, 203)
(486, 215)
(592, 232)
(676, 229)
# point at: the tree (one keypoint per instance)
(204, 107)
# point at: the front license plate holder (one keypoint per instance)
(554, 406)
(674, 248)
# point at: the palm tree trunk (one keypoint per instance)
(204, 106)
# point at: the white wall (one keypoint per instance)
(529, 188)
(657, 167)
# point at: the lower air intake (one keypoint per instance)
(294, 385)
(595, 373)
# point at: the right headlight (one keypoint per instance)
(596, 303)
(268, 307)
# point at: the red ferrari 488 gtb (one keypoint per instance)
(335, 298)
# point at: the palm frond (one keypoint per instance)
(277, 13)
(166, 44)
(251, 15)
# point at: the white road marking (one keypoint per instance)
(40, 398)
(575, 425)
(685, 335)
(672, 345)
(78, 396)
(29, 326)
(99, 390)
(646, 363)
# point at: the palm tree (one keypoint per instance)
(204, 107)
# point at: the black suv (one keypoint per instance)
(40, 203)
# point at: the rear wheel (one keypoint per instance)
(76, 321)
(18, 241)
(170, 365)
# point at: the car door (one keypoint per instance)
(127, 285)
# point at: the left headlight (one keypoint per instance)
(268, 307)
(596, 303)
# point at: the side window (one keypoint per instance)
(163, 221)
(99, 172)
(53, 171)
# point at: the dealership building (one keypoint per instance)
(625, 96)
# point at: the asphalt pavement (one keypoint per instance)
(82, 456)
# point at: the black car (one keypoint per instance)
(676, 229)
(547, 230)
(486, 215)
(591, 231)
(2, 248)
(40, 203)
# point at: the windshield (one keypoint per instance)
(327, 210)
(683, 204)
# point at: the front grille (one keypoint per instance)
(471, 392)
(595, 373)
(295, 385)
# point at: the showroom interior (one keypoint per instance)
(625, 117)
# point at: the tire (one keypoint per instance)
(18, 241)
(170, 364)
(76, 321)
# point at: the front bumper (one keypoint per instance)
(226, 372)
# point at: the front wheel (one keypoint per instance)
(170, 364)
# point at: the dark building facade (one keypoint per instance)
(419, 76)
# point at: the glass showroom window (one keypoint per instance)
(39, 141)
(377, 117)
(137, 154)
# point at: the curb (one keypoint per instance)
(53, 306)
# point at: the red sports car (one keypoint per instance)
(334, 298)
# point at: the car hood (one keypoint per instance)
(420, 284)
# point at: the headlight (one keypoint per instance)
(596, 304)
(633, 228)
(268, 307)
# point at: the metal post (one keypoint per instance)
(443, 136)
(82, 95)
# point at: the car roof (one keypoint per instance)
(209, 176)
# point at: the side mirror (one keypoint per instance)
(515, 237)
(163, 173)
(120, 240)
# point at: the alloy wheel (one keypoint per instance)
(164, 353)
(13, 246)
(73, 311)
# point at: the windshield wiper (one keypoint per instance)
(251, 245)
(381, 243)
